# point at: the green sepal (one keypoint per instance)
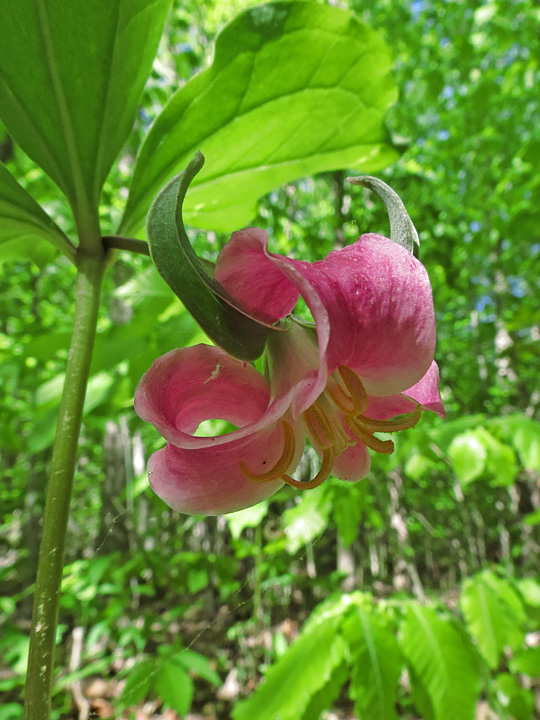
(231, 327)
(402, 229)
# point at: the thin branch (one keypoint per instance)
(124, 243)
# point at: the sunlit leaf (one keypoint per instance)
(72, 76)
(494, 614)
(250, 517)
(294, 89)
(26, 231)
(441, 662)
(290, 684)
(174, 687)
(307, 520)
(468, 456)
(377, 664)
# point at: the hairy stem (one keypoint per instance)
(51, 557)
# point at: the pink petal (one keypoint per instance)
(208, 481)
(426, 391)
(352, 464)
(379, 305)
(189, 385)
(384, 408)
(245, 269)
(371, 302)
(268, 286)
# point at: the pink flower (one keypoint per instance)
(365, 366)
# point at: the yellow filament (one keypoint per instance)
(319, 426)
(283, 462)
(381, 446)
(358, 396)
(341, 399)
(320, 477)
(404, 423)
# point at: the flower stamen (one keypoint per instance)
(404, 423)
(282, 463)
(324, 471)
(381, 446)
(357, 401)
(319, 426)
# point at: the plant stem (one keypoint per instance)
(51, 557)
(126, 243)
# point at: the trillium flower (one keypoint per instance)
(364, 366)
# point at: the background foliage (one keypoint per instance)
(421, 582)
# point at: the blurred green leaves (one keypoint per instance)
(294, 89)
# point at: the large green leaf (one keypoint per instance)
(295, 88)
(298, 677)
(26, 231)
(442, 663)
(71, 77)
(377, 664)
(494, 613)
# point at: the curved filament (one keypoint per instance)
(283, 462)
(319, 426)
(358, 395)
(381, 446)
(406, 422)
(320, 477)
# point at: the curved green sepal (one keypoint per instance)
(221, 318)
(402, 229)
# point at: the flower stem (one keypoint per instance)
(51, 557)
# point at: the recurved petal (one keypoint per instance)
(189, 385)
(426, 391)
(209, 481)
(245, 269)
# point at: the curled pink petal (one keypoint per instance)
(189, 385)
(426, 391)
(244, 268)
(209, 481)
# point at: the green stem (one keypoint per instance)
(51, 557)
(126, 243)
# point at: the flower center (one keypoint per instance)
(335, 422)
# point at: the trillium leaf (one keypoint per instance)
(177, 263)
(295, 88)
(71, 78)
(26, 231)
